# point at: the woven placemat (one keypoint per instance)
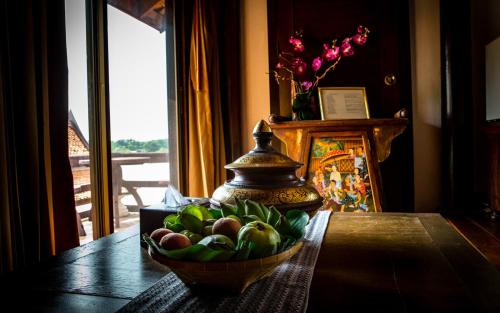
(286, 290)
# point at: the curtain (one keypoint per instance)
(37, 207)
(208, 53)
(206, 148)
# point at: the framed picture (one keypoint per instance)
(338, 103)
(340, 166)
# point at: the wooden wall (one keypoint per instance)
(386, 52)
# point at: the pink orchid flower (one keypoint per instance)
(297, 44)
(346, 47)
(360, 39)
(279, 65)
(362, 35)
(316, 64)
(330, 54)
(306, 85)
(299, 66)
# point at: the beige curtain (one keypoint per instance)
(206, 151)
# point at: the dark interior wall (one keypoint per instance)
(466, 27)
(387, 52)
(492, 21)
(485, 27)
(457, 109)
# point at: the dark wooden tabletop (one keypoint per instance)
(381, 262)
(395, 262)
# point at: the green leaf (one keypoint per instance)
(298, 221)
(176, 254)
(265, 211)
(273, 217)
(172, 222)
(253, 208)
(250, 218)
(218, 242)
(195, 252)
(283, 226)
(216, 213)
(286, 243)
(227, 209)
(203, 253)
(240, 207)
(150, 242)
(177, 228)
(190, 222)
(243, 250)
(169, 220)
(200, 212)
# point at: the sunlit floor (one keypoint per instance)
(125, 222)
(148, 195)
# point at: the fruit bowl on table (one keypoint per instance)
(227, 248)
(230, 276)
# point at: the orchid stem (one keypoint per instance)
(331, 67)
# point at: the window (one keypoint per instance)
(138, 107)
(120, 110)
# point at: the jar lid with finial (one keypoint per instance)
(267, 176)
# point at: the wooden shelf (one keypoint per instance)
(372, 122)
(377, 136)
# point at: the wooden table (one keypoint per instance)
(393, 262)
(382, 262)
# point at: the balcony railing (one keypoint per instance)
(81, 179)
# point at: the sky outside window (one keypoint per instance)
(137, 74)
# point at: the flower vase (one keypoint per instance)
(303, 106)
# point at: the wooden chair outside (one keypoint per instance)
(78, 148)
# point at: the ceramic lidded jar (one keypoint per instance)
(267, 176)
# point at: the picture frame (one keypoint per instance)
(338, 103)
(342, 168)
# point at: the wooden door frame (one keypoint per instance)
(99, 112)
(99, 127)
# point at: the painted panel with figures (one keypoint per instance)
(338, 168)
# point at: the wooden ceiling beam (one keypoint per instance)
(150, 12)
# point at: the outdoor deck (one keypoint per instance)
(125, 222)
(138, 185)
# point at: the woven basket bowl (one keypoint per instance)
(232, 277)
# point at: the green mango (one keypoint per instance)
(264, 237)
(210, 221)
(193, 237)
(207, 230)
(234, 217)
(218, 242)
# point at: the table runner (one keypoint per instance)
(286, 290)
